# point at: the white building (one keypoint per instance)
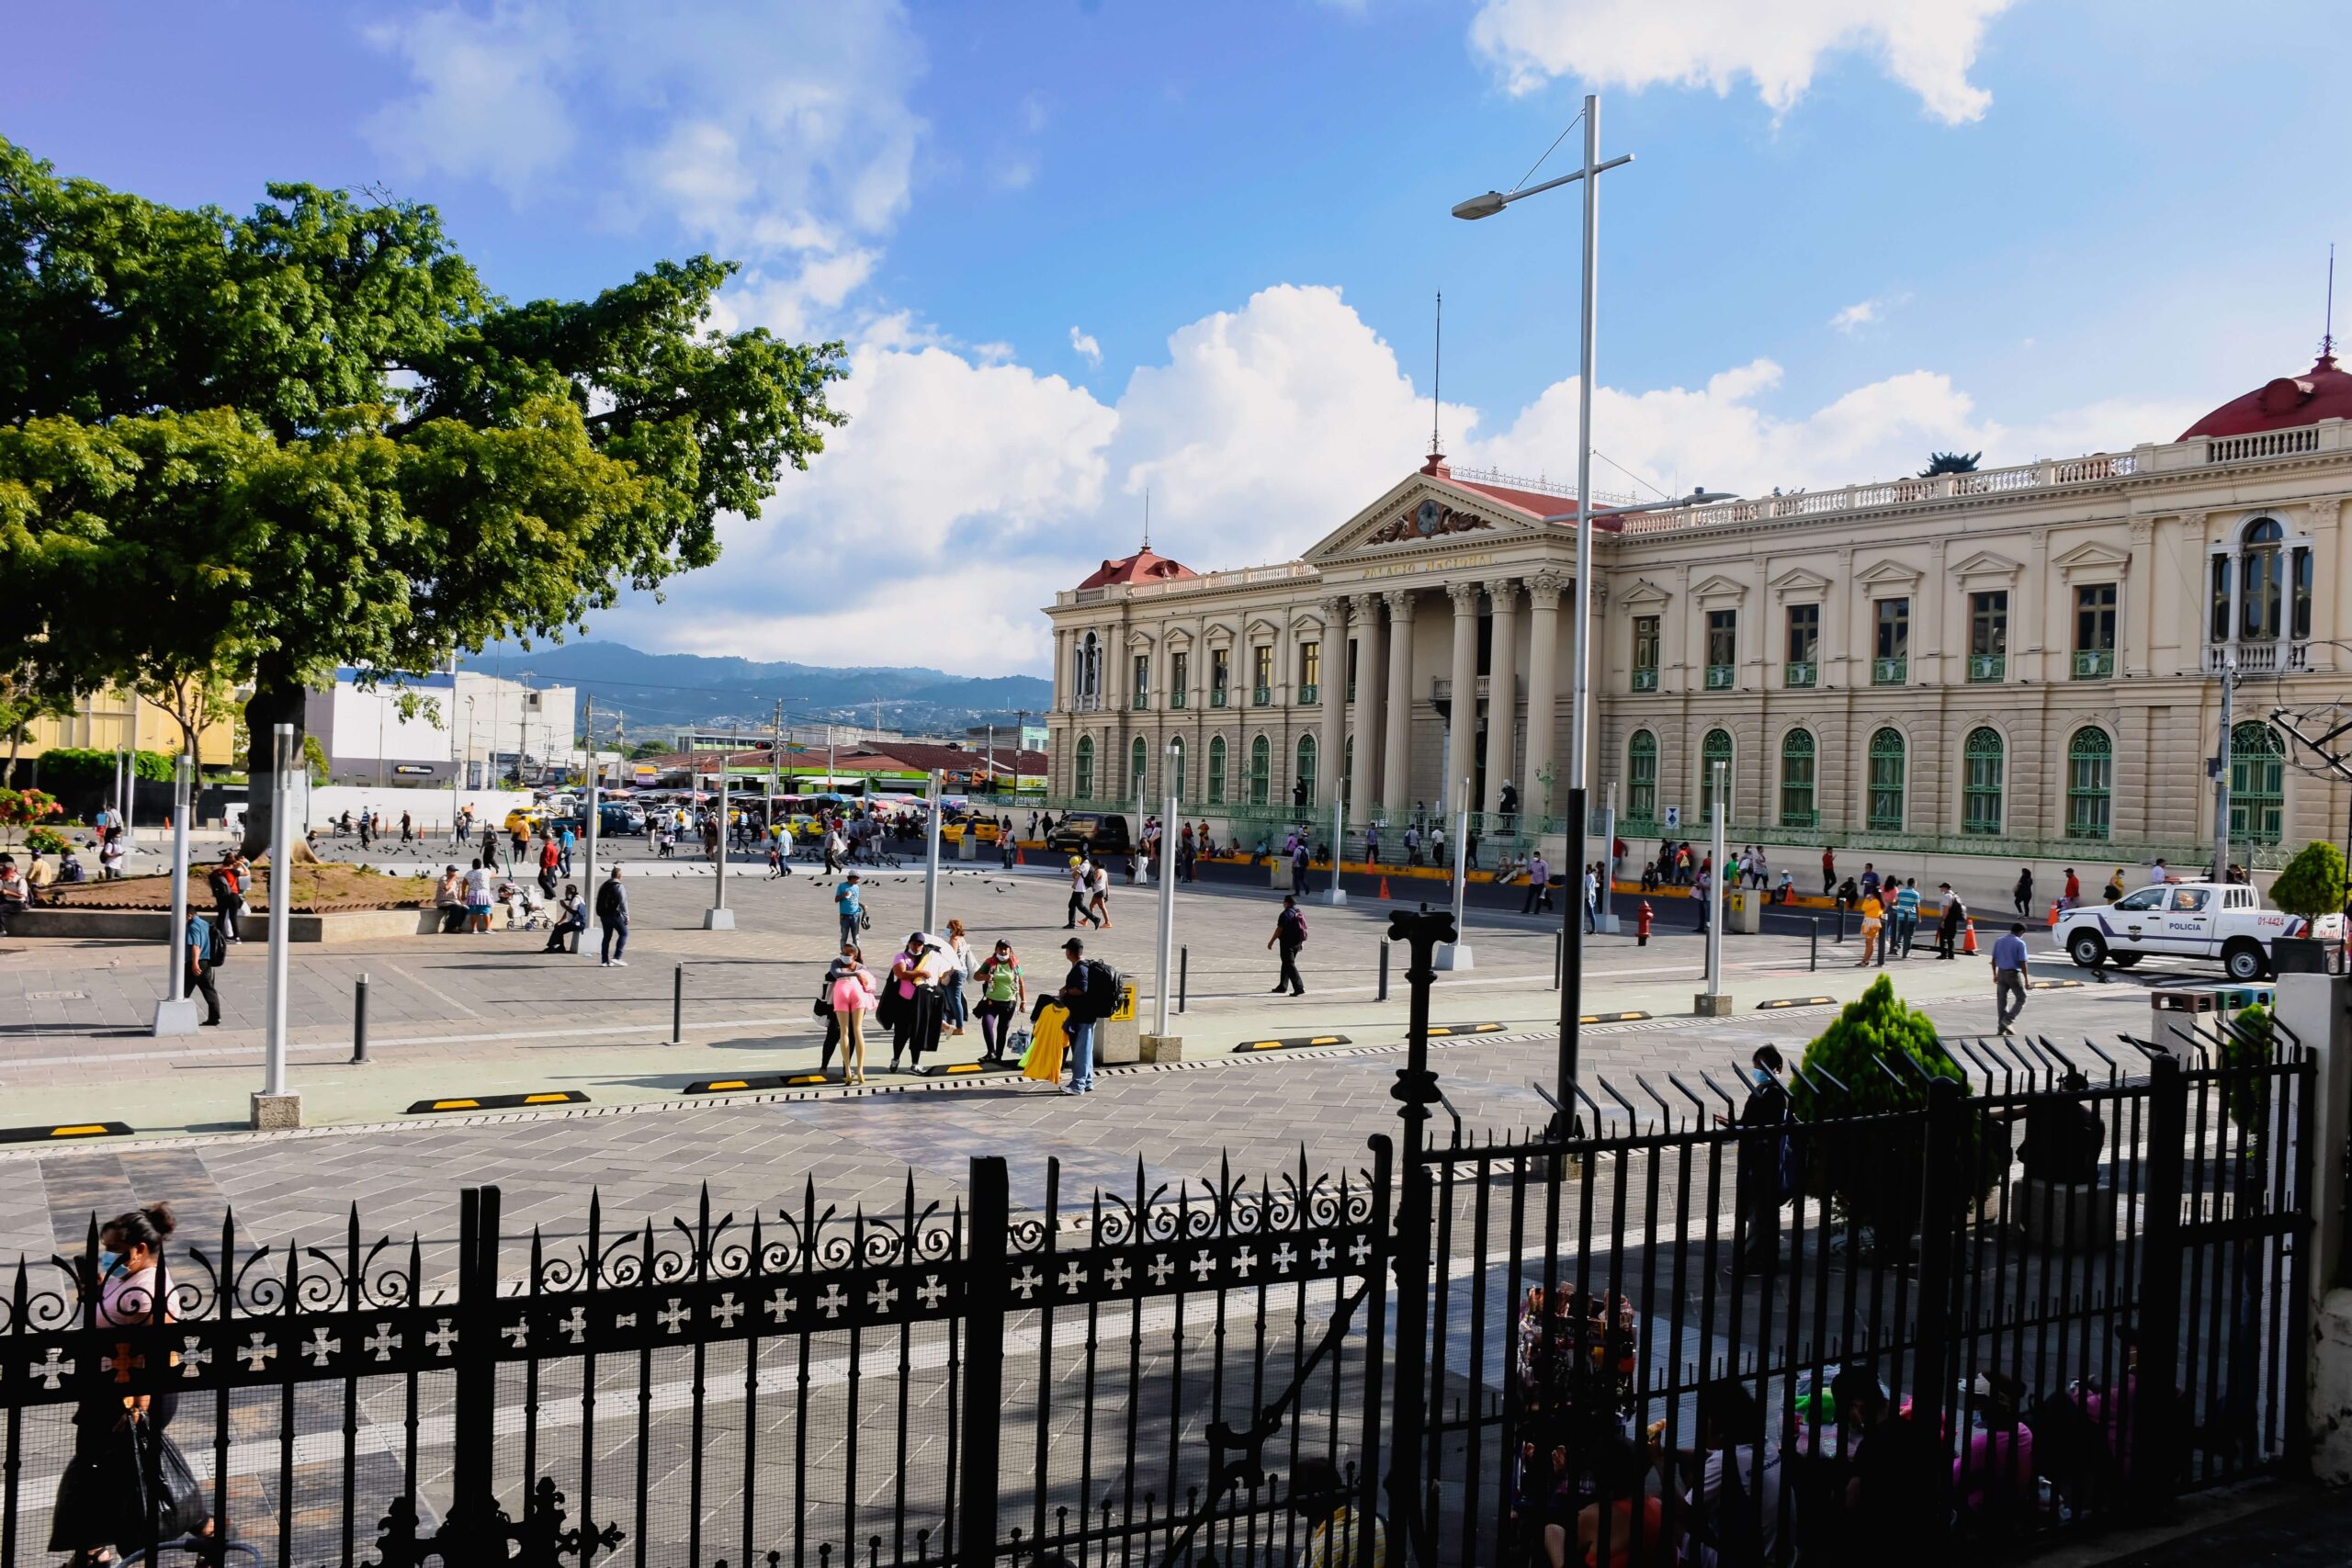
(420, 729)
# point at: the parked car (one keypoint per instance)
(2187, 920)
(1091, 833)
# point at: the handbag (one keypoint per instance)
(134, 1481)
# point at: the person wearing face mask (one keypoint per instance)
(1004, 995)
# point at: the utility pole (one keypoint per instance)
(719, 917)
(1711, 1002)
(588, 838)
(2222, 774)
(930, 859)
(1456, 955)
(273, 1106)
(175, 1014)
(775, 765)
(455, 773)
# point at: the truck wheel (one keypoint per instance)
(2087, 948)
(2244, 961)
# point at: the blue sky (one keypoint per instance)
(1084, 249)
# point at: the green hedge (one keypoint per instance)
(74, 768)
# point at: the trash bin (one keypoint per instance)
(1115, 1040)
(2176, 1016)
(1743, 910)
(968, 845)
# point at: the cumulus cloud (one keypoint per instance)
(1866, 313)
(1088, 349)
(489, 103)
(1928, 46)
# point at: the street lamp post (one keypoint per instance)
(1165, 1047)
(275, 1106)
(175, 1014)
(719, 917)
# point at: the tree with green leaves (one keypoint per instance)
(2313, 882)
(262, 447)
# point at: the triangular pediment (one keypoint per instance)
(1424, 511)
(1645, 593)
(1888, 573)
(1987, 563)
(2091, 553)
(1798, 582)
(1719, 587)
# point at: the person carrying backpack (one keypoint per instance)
(612, 913)
(208, 949)
(1289, 935)
(1090, 993)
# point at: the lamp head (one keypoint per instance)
(1485, 206)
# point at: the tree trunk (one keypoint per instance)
(16, 745)
(278, 698)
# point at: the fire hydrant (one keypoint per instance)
(1642, 925)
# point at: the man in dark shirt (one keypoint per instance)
(1081, 1020)
(1289, 935)
(1900, 1474)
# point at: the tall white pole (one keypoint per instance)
(719, 917)
(588, 860)
(931, 861)
(457, 774)
(176, 1014)
(1604, 919)
(273, 1107)
(131, 778)
(2221, 775)
(1457, 954)
(1716, 880)
(1334, 895)
(1589, 320)
(1167, 910)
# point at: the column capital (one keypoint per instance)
(1367, 605)
(1543, 590)
(1334, 608)
(1504, 592)
(1464, 596)
(1400, 603)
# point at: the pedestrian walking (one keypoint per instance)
(2008, 976)
(1004, 995)
(1766, 1170)
(207, 951)
(1507, 807)
(1298, 862)
(550, 866)
(1470, 847)
(1413, 843)
(1098, 896)
(1952, 915)
(1873, 923)
(2021, 896)
(849, 902)
(478, 899)
(1829, 871)
(571, 919)
(227, 885)
(1592, 898)
(2071, 893)
(913, 993)
(1371, 846)
(1289, 935)
(565, 843)
(1076, 910)
(955, 977)
(1699, 885)
(408, 835)
(1906, 916)
(846, 1000)
(1539, 885)
(612, 913)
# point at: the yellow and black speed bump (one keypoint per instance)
(2056, 985)
(1292, 1043)
(763, 1080)
(65, 1131)
(499, 1101)
(967, 1069)
(1633, 1016)
(1794, 1002)
(1440, 1031)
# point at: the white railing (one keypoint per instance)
(2097, 468)
(2258, 658)
(1539, 486)
(2263, 444)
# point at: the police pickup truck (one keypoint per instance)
(2185, 919)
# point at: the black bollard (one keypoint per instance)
(1841, 924)
(1384, 973)
(1813, 958)
(1559, 955)
(678, 1007)
(359, 1021)
(1183, 975)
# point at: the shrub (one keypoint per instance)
(44, 841)
(2313, 882)
(2246, 1042)
(65, 770)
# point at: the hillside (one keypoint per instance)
(648, 690)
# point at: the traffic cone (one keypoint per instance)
(1020, 855)
(1383, 890)
(2053, 914)
(1969, 946)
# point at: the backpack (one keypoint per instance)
(1293, 920)
(1104, 986)
(213, 941)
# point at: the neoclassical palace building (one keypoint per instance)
(2023, 662)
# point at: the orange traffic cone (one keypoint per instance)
(1968, 946)
(1383, 889)
(2053, 914)
(1020, 855)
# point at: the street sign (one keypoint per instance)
(1674, 817)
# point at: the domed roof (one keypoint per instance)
(1143, 566)
(2321, 393)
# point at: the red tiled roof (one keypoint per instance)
(2321, 393)
(1145, 566)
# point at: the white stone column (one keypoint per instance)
(1502, 691)
(1332, 694)
(1462, 727)
(1543, 687)
(1370, 695)
(1397, 760)
(2135, 625)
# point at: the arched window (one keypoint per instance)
(2271, 575)
(1886, 782)
(1980, 791)
(1796, 779)
(1175, 782)
(1215, 786)
(1261, 770)
(1716, 749)
(1641, 777)
(1081, 782)
(1305, 772)
(1139, 762)
(2090, 776)
(1089, 673)
(2257, 785)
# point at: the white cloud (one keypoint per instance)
(1866, 313)
(1088, 349)
(489, 103)
(1928, 46)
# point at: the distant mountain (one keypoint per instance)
(658, 690)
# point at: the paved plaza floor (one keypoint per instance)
(478, 1015)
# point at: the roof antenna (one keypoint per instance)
(2327, 331)
(1437, 364)
(1147, 517)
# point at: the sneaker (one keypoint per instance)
(620, 963)
(605, 962)
(1073, 1088)
(919, 1071)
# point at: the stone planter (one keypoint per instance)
(2301, 955)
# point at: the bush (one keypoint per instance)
(25, 808)
(1873, 1173)
(67, 769)
(2246, 1042)
(2313, 882)
(43, 841)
